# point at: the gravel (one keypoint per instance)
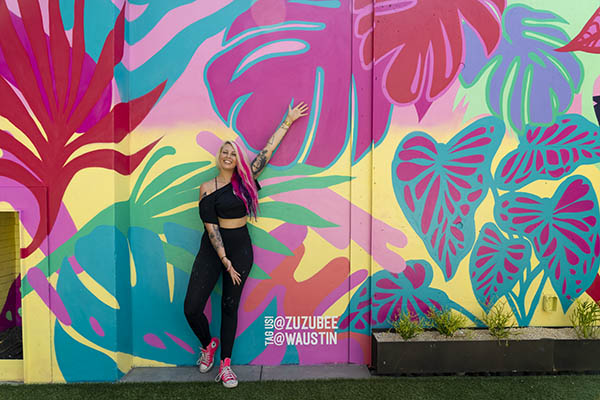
(528, 333)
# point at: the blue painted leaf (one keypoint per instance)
(158, 327)
(550, 152)
(564, 230)
(496, 264)
(98, 366)
(439, 187)
(528, 81)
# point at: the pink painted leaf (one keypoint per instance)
(496, 264)
(550, 152)
(301, 55)
(588, 40)
(564, 230)
(440, 185)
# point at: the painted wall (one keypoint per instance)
(449, 160)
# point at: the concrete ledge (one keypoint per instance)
(245, 373)
(250, 373)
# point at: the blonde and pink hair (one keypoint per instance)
(242, 180)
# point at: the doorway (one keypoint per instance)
(11, 337)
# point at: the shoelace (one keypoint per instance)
(226, 374)
(204, 358)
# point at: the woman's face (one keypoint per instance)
(227, 158)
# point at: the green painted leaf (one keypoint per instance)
(258, 273)
(298, 169)
(166, 178)
(264, 240)
(192, 183)
(178, 257)
(303, 183)
(293, 213)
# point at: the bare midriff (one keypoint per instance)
(232, 223)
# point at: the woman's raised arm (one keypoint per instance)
(262, 159)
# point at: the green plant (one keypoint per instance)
(445, 321)
(585, 318)
(499, 321)
(407, 325)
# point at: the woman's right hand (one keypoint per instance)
(235, 276)
(300, 110)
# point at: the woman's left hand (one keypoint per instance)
(300, 110)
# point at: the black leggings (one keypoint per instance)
(203, 278)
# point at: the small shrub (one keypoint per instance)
(407, 326)
(499, 321)
(585, 318)
(445, 321)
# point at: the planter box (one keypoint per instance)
(393, 357)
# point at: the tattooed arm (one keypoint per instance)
(212, 229)
(211, 226)
(262, 159)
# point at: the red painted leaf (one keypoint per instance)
(588, 39)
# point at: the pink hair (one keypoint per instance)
(242, 180)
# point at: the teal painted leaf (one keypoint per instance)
(550, 152)
(440, 185)
(564, 230)
(496, 264)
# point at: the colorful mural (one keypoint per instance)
(450, 160)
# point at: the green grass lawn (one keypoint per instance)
(568, 387)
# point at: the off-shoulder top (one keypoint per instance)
(222, 203)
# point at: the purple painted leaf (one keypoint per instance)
(496, 264)
(300, 55)
(564, 230)
(528, 81)
(550, 152)
(439, 187)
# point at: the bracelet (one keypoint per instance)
(286, 124)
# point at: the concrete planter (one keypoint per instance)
(393, 357)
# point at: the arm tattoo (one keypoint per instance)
(215, 238)
(259, 162)
(271, 140)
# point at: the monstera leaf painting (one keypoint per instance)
(439, 186)
(159, 331)
(550, 152)
(564, 230)
(496, 264)
(392, 294)
(528, 81)
(303, 56)
(419, 69)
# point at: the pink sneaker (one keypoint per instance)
(207, 356)
(226, 374)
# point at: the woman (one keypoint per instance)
(225, 203)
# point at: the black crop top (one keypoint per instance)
(222, 203)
